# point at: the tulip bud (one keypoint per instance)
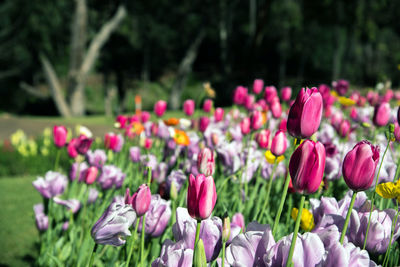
(140, 200)
(71, 148)
(381, 114)
(359, 166)
(305, 114)
(206, 162)
(201, 196)
(258, 85)
(208, 103)
(60, 135)
(238, 219)
(226, 229)
(134, 152)
(256, 119)
(283, 125)
(344, 128)
(263, 138)
(239, 95)
(188, 107)
(203, 124)
(148, 142)
(145, 116)
(286, 93)
(113, 141)
(83, 144)
(91, 175)
(276, 108)
(218, 114)
(245, 126)
(159, 107)
(279, 144)
(341, 86)
(121, 121)
(306, 166)
(270, 93)
(173, 192)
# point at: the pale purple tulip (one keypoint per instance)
(134, 153)
(97, 158)
(42, 221)
(93, 194)
(111, 176)
(178, 178)
(53, 184)
(157, 216)
(71, 204)
(78, 167)
(174, 255)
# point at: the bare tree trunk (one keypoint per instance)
(185, 67)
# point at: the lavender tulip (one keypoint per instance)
(52, 185)
(111, 176)
(174, 255)
(347, 255)
(157, 216)
(71, 204)
(93, 194)
(42, 221)
(96, 158)
(81, 167)
(178, 178)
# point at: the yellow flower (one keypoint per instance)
(306, 221)
(388, 190)
(17, 137)
(44, 151)
(271, 157)
(346, 101)
(209, 90)
(181, 138)
(46, 142)
(334, 93)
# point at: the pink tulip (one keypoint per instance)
(249, 102)
(219, 114)
(238, 219)
(372, 98)
(286, 93)
(283, 125)
(113, 141)
(263, 138)
(336, 119)
(397, 95)
(256, 119)
(134, 118)
(207, 105)
(353, 114)
(279, 144)
(306, 166)
(206, 162)
(276, 108)
(145, 116)
(239, 95)
(382, 114)
(148, 142)
(159, 107)
(359, 166)
(341, 86)
(388, 95)
(91, 174)
(397, 131)
(258, 85)
(188, 107)
(203, 123)
(201, 196)
(121, 120)
(361, 102)
(269, 93)
(60, 135)
(344, 128)
(245, 126)
(140, 200)
(71, 149)
(305, 114)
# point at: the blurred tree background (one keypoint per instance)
(168, 48)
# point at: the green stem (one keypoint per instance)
(142, 241)
(296, 230)
(197, 237)
(223, 254)
(269, 186)
(93, 255)
(346, 222)
(391, 237)
(57, 159)
(131, 241)
(283, 198)
(373, 195)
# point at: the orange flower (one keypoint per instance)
(137, 128)
(181, 138)
(171, 121)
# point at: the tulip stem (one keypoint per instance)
(57, 159)
(223, 254)
(142, 241)
(93, 255)
(197, 237)
(346, 222)
(296, 230)
(373, 195)
(391, 237)
(269, 186)
(283, 199)
(131, 241)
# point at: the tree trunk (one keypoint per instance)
(185, 67)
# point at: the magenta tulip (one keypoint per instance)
(218, 114)
(206, 162)
(359, 166)
(140, 200)
(239, 95)
(245, 125)
(249, 102)
(270, 93)
(91, 174)
(382, 114)
(121, 121)
(341, 86)
(276, 108)
(60, 135)
(71, 149)
(256, 119)
(145, 116)
(286, 93)
(263, 138)
(203, 124)
(344, 128)
(305, 114)
(258, 85)
(201, 196)
(188, 107)
(207, 105)
(279, 144)
(113, 141)
(306, 166)
(83, 144)
(159, 107)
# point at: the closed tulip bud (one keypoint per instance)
(206, 162)
(270, 93)
(148, 142)
(249, 102)
(140, 200)
(306, 166)
(381, 114)
(219, 114)
(203, 124)
(238, 219)
(226, 229)
(91, 175)
(188, 107)
(359, 166)
(208, 103)
(145, 116)
(42, 221)
(121, 121)
(239, 95)
(60, 135)
(276, 109)
(263, 138)
(256, 119)
(353, 113)
(258, 85)
(286, 93)
(71, 148)
(282, 125)
(279, 144)
(245, 126)
(159, 107)
(344, 128)
(173, 192)
(305, 114)
(201, 196)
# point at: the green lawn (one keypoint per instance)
(18, 232)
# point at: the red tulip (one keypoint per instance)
(60, 135)
(201, 196)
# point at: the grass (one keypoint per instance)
(18, 232)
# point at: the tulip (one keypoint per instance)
(353, 114)
(381, 114)
(306, 166)
(71, 148)
(256, 119)
(96, 158)
(347, 255)
(159, 107)
(276, 108)
(91, 175)
(270, 93)
(336, 119)
(134, 153)
(113, 141)
(60, 135)
(359, 166)
(258, 86)
(397, 131)
(344, 128)
(140, 200)
(238, 219)
(110, 176)
(121, 121)
(305, 114)
(75, 167)
(201, 196)
(279, 144)
(286, 93)
(206, 162)
(174, 254)
(218, 114)
(93, 194)
(176, 177)
(145, 116)
(208, 103)
(249, 101)
(263, 138)
(203, 123)
(114, 225)
(239, 95)
(341, 86)
(71, 204)
(53, 184)
(157, 216)
(188, 107)
(245, 126)
(83, 144)
(42, 221)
